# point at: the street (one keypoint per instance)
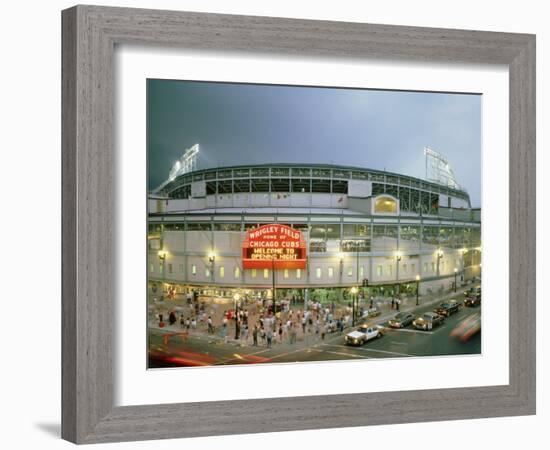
(171, 347)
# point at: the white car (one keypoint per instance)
(363, 334)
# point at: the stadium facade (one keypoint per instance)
(382, 232)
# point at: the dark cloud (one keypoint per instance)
(250, 124)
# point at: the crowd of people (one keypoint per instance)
(256, 325)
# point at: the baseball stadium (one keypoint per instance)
(319, 232)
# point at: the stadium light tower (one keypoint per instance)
(439, 170)
(187, 163)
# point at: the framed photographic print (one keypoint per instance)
(296, 209)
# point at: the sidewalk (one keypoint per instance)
(302, 340)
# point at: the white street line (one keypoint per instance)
(379, 351)
(340, 353)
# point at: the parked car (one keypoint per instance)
(428, 321)
(473, 292)
(401, 320)
(371, 312)
(447, 308)
(467, 328)
(363, 334)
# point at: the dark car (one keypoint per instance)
(473, 292)
(401, 320)
(472, 301)
(428, 321)
(447, 308)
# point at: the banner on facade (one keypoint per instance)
(274, 246)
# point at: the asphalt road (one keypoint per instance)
(168, 350)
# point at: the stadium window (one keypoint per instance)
(425, 267)
(152, 268)
(339, 187)
(379, 270)
(330, 272)
(182, 268)
(350, 271)
(320, 186)
(266, 273)
(241, 185)
(222, 271)
(361, 272)
(390, 270)
(254, 273)
(285, 273)
(207, 272)
(237, 272)
(169, 267)
(280, 185)
(199, 226)
(318, 272)
(413, 268)
(160, 268)
(298, 273)
(227, 227)
(433, 267)
(301, 185)
(194, 269)
(404, 268)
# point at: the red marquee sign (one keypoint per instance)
(274, 246)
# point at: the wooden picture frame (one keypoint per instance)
(90, 34)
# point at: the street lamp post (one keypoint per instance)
(273, 282)
(211, 259)
(439, 256)
(353, 298)
(397, 260)
(456, 271)
(162, 259)
(417, 288)
(236, 297)
(340, 273)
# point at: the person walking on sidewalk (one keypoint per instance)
(223, 333)
(269, 337)
(255, 336)
(292, 333)
(397, 301)
(172, 317)
(244, 333)
(210, 327)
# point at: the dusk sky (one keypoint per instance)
(254, 124)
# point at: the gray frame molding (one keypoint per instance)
(89, 37)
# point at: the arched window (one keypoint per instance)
(385, 205)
